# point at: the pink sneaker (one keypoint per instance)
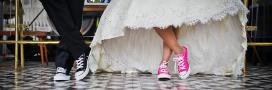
(163, 73)
(183, 65)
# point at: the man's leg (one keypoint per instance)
(64, 58)
(76, 7)
(59, 13)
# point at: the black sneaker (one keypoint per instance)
(82, 67)
(61, 75)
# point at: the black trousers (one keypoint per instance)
(66, 16)
(1, 14)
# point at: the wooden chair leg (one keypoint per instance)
(45, 54)
(41, 52)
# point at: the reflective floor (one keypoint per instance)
(36, 76)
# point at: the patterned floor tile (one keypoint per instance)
(37, 76)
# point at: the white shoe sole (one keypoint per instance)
(85, 73)
(186, 75)
(61, 78)
(164, 77)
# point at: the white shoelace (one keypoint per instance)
(179, 62)
(164, 66)
(61, 70)
(80, 62)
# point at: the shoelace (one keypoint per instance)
(80, 62)
(179, 62)
(163, 67)
(60, 70)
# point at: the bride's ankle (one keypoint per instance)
(178, 51)
(164, 61)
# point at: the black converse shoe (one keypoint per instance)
(82, 67)
(61, 75)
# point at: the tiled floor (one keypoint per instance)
(35, 76)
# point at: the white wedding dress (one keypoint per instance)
(213, 30)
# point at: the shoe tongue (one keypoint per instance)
(61, 70)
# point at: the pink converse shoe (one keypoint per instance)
(183, 65)
(163, 73)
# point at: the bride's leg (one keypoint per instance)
(169, 38)
(167, 52)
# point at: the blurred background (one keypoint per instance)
(260, 16)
